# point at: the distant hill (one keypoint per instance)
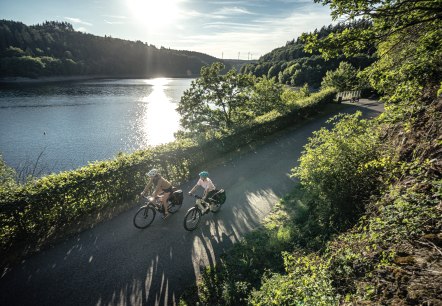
(291, 65)
(56, 49)
(238, 64)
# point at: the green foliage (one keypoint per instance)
(7, 176)
(290, 97)
(37, 210)
(13, 52)
(77, 53)
(407, 35)
(294, 66)
(215, 103)
(409, 69)
(240, 270)
(405, 213)
(265, 97)
(332, 170)
(307, 282)
(344, 78)
(218, 105)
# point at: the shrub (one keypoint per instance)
(307, 282)
(335, 170)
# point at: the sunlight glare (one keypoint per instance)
(154, 13)
(161, 119)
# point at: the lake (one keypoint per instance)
(62, 126)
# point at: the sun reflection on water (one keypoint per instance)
(160, 120)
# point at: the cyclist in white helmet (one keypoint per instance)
(161, 186)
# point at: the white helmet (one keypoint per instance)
(152, 172)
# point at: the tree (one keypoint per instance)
(214, 103)
(343, 78)
(407, 35)
(265, 97)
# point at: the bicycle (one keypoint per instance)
(202, 207)
(146, 213)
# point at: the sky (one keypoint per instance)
(244, 29)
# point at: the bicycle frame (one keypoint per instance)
(204, 206)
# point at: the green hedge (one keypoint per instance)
(34, 211)
(273, 122)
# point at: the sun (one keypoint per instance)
(154, 13)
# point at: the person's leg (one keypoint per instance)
(164, 202)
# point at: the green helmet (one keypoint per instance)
(204, 174)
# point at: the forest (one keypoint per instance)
(292, 65)
(56, 49)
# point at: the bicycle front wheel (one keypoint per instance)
(192, 219)
(144, 216)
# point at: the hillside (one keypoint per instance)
(292, 65)
(56, 49)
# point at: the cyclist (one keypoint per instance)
(206, 183)
(161, 186)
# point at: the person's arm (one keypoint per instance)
(196, 186)
(193, 189)
(158, 187)
(146, 189)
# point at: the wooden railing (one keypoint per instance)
(352, 96)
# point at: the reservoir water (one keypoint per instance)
(63, 126)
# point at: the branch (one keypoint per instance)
(416, 22)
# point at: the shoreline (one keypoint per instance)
(59, 79)
(40, 80)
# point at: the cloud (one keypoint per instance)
(250, 28)
(117, 19)
(257, 36)
(114, 22)
(233, 11)
(82, 29)
(78, 21)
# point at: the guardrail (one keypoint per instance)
(351, 95)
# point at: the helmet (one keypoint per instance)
(152, 172)
(204, 174)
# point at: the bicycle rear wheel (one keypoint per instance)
(192, 219)
(144, 216)
(172, 207)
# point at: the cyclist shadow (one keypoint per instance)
(169, 276)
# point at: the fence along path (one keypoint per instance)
(352, 95)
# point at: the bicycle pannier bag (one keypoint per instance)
(220, 196)
(177, 197)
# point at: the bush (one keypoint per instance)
(307, 282)
(335, 170)
(37, 210)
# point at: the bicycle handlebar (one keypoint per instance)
(195, 195)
